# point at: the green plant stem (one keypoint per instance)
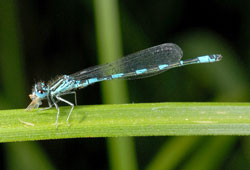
(26, 156)
(151, 119)
(173, 152)
(212, 154)
(121, 150)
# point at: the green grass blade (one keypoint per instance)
(152, 119)
(212, 154)
(122, 153)
(109, 47)
(26, 156)
(11, 64)
(121, 150)
(173, 152)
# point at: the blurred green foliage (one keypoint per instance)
(41, 39)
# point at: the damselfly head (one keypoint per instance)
(39, 92)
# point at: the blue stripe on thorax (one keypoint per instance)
(63, 85)
(54, 86)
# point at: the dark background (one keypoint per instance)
(50, 38)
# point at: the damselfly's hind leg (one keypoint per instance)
(69, 103)
(73, 92)
(70, 92)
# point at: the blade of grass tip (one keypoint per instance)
(212, 154)
(121, 150)
(173, 152)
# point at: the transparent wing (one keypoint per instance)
(141, 64)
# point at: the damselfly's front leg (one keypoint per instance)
(57, 108)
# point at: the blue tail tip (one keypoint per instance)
(210, 58)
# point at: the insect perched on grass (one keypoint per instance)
(141, 64)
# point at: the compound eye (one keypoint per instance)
(41, 91)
